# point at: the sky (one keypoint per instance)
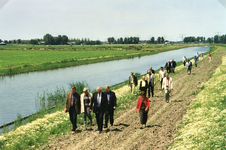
(100, 19)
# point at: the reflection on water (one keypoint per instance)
(18, 92)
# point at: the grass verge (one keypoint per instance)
(204, 126)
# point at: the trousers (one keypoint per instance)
(73, 117)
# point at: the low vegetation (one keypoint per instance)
(204, 126)
(24, 58)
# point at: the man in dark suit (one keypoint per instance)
(173, 65)
(151, 70)
(111, 106)
(167, 66)
(100, 102)
(73, 106)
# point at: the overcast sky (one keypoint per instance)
(100, 19)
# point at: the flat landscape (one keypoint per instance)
(19, 58)
(170, 125)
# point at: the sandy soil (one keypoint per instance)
(163, 118)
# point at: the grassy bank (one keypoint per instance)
(36, 133)
(16, 59)
(53, 123)
(204, 126)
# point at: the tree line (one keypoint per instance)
(215, 39)
(48, 39)
(125, 40)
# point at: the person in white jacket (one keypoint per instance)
(167, 84)
(85, 105)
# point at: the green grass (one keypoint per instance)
(28, 137)
(204, 126)
(20, 58)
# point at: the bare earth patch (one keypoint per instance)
(163, 118)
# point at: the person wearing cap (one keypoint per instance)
(132, 82)
(73, 106)
(167, 84)
(85, 105)
(111, 106)
(99, 106)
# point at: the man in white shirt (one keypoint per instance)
(167, 84)
(100, 102)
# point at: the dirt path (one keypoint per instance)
(163, 118)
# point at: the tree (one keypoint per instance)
(48, 39)
(209, 40)
(152, 40)
(216, 39)
(64, 39)
(34, 41)
(162, 40)
(111, 40)
(159, 40)
(18, 41)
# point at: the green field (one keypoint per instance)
(24, 58)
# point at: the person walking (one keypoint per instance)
(167, 66)
(161, 76)
(167, 84)
(189, 66)
(209, 55)
(99, 107)
(184, 60)
(150, 78)
(111, 106)
(173, 65)
(196, 60)
(151, 70)
(143, 108)
(85, 105)
(132, 82)
(197, 55)
(143, 85)
(73, 106)
(201, 57)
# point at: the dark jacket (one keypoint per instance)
(166, 65)
(77, 102)
(112, 102)
(103, 105)
(174, 64)
(134, 80)
(143, 88)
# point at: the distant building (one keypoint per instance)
(42, 43)
(2, 43)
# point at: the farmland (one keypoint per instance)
(193, 92)
(25, 58)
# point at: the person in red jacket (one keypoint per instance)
(143, 108)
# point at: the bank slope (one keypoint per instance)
(204, 126)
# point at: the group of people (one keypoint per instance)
(188, 63)
(101, 103)
(170, 66)
(146, 88)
